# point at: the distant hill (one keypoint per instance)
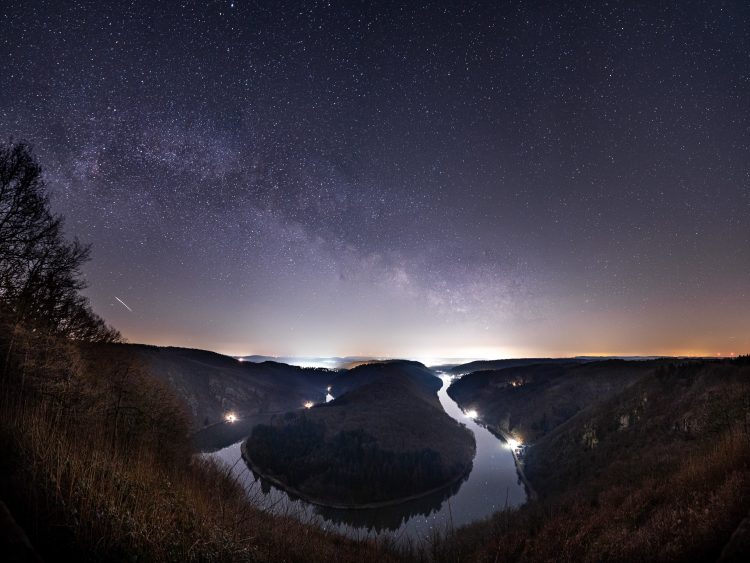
(333, 362)
(212, 384)
(484, 365)
(386, 437)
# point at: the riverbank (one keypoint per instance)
(339, 506)
(506, 437)
(222, 434)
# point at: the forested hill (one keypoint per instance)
(212, 384)
(386, 439)
(424, 378)
(530, 400)
(486, 365)
(655, 466)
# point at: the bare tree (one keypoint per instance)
(40, 271)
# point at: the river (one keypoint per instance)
(492, 485)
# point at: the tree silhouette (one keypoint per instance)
(40, 271)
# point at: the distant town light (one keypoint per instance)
(309, 404)
(472, 414)
(230, 417)
(329, 388)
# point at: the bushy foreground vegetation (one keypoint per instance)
(77, 494)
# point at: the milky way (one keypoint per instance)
(432, 179)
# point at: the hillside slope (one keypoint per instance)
(654, 422)
(658, 471)
(97, 466)
(529, 401)
(212, 384)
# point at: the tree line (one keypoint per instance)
(40, 270)
(55, 348)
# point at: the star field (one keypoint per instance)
(423, 179)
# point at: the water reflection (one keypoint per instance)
(391, 518)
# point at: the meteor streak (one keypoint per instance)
(124, 304)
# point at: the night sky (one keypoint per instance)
(426, 180)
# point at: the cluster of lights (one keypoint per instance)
(230, 417)
(472, 414)
(309, 404)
